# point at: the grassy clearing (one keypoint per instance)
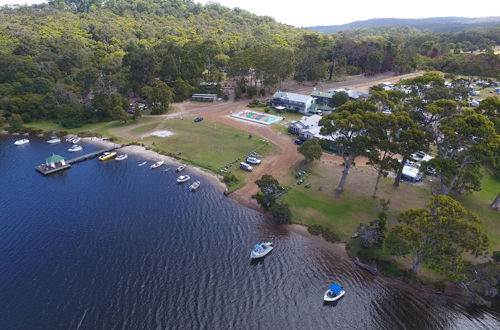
(144, 128)
(210, 145)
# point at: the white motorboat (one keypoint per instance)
(21, 142)
(142, 164)
(54, 139)
(195, 185)
(334, 292)
(121, 157)
(75, 140)
(183, 178)
(180, 168)
(75, 148)
(157, 164)
(107, 155)
(261, 250)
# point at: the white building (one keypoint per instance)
(291, 101)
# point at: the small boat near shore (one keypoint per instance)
(21, 142)
(75, 140)
(107, 155)
(261, 250)
(194, 186)
(121, 157)
(180, 168)
(157, 164)
(54, 139)
(142, 164)
(183, 178)
(334, 293)
(75, 148)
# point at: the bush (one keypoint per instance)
(315, 230)
(440, 286)
(496, 256)
(229, 178)
(281, 212)
(331, 236)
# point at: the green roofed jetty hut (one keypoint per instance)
(53, 164)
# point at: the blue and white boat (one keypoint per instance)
(334, 292)
(261, 250)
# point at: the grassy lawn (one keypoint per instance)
(209, 145)
(144, 128)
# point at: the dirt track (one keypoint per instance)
(276, 165)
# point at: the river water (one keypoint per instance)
(110, 245)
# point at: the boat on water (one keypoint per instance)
(21, 142)
(54, 139)
(142, 164)
(75, 148)
(121, 157)
(334, 292)
(107, 155)
(183, 178)
(261, 250)
(157, 164)
(75, 140)
(180, 168)
(194, 186)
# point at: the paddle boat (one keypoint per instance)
(107, 155)
(142, 164)
(261, 250)
(21, 142)
(183, 178)
(180, 168)
(194, 186)
(157, 164)
(334, 292)
(54, 139)
(75, 148)
(122, 157)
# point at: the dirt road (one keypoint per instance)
(278, 164)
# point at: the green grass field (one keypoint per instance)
(210, 145)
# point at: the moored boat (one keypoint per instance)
(334, 292)
(180, 168)
(54, 139)
(21, 142)
(194, 186)
(75, 148)
(142, 164)
(121, 157)
(75, 140)
(183, 178)
(261, 250)
(157, 164)
(107, 155)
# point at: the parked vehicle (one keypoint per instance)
(244, 166)
(253, 161)
(298, 142)
(197, 119)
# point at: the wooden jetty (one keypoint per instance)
(56, 163)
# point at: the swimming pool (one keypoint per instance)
(257, 117)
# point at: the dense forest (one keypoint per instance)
(76, 61)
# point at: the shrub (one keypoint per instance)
(330, 235)
(315, 229)
(229, 178)
(496, 256)
(281, 212)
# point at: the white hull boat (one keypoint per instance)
(183, 178)
(54, 139)
(157, 164)
(261, 250)
(334, 293)
(75, 140)
(180, 168)
(142, 164)
(21, 142)
(122, 157)
(194, 186)
(75, 148)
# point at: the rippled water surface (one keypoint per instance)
(110, 245)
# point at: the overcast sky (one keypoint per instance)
(333, 12)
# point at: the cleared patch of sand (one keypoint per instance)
(163, 133)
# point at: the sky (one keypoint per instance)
(334, 12)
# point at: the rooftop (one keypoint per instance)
(292, 97)
(54, 159)
(321, 94)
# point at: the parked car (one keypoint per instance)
(298, 142)
(244, 166)
(197, 119)
(253, 161)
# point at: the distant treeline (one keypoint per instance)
(81, 61)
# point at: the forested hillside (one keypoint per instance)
(77, 61)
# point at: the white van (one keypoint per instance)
(244, 166)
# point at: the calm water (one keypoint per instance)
(115, 246)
